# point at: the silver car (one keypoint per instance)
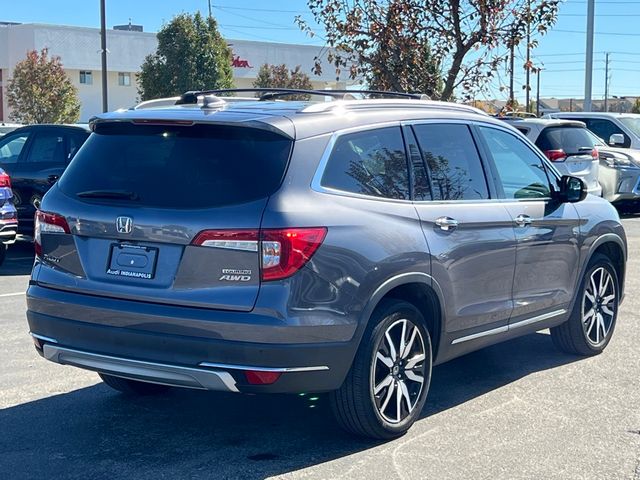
(620, 130)
(568, 144)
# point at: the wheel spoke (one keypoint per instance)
(402, 338)
(413, 376)
(608, 299)
(386, 360)
(593, 321)
(392, 347)
(594, 289)
(398, 401)
(607, 277)
(607, 310)
(405, 395)
(407, 348)
(590, 297)
(388, 380)
(388, 397)
(599, 322)
(587, 316)
(601, 280)
(414, 361)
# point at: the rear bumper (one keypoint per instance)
(182, 357)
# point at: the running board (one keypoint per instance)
(508, 328)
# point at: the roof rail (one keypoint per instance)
(390, 103)
(191, 97)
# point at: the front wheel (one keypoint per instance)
(591, 324)
(386, 388)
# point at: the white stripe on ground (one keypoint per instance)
(11, 294)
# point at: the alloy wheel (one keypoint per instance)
(398, 371)
(599, 306)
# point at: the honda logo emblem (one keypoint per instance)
(124, 224)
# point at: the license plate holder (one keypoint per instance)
(132, 261)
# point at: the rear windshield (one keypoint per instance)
(198, 166)
(572, 140)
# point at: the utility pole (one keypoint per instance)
(588, 74)
(606, 83)
(103, 47)
(538, 94)
(209, 8)
(528, 64)
(511, 73)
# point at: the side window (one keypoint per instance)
(605, 128)
(372, 162)
(47, 147)
(520, 170)
(75, 142)
(453, 162)
(10, 148)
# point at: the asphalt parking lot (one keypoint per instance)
(512, 411)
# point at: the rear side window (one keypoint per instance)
(372, 162)
(199, 166)
(47, 147)
(453, 162)
(573, 140)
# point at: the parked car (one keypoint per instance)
(568, 145)
(620, 130)
(8, 215)
(8, 127)
(35, 156)
(339, 246)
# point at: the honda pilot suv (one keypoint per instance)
(342, 246)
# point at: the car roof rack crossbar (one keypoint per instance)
(191, 97)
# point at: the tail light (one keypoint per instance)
(259, 377)
(5, 180)
(283, 251)
(556, 155)
(595, 154)
(46, 222)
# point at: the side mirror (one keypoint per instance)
(616, 139)
(572, 189)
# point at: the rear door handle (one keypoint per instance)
(446, 223)
(523, 220)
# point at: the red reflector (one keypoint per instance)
(5, 181)
(293, 246)
(261, 378)
(595, 154)
(555, 155)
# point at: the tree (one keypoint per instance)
(191, 55)
(41, 92)
(278, 76)
(468, 39)
(636, 106)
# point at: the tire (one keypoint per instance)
(3, 253)
(133, 387)
(577, 335)
(355, 405)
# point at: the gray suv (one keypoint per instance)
(341, 246)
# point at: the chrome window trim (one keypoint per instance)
(508, 328)
(226, 366)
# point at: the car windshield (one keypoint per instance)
(632, 123)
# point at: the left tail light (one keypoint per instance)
(5, 180)
(46, 222)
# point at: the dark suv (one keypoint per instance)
(35, 156)
(341, 246)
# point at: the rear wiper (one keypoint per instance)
(114, 194)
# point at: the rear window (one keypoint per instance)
(572, 140)
(199, 166)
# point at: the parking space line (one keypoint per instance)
(15, 294)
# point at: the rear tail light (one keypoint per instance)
(556, 155)
(259, 377)
(283, 251)
(46, 222)
(5, 180)
(595, 154)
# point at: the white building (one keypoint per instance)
(79, 49)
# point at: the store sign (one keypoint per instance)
(238, 62)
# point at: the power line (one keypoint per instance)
(261, 9)
(582, 32)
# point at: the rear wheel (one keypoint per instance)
(590, 327)
(387, 385)
(133, 387)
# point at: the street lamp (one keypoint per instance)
(103, 52)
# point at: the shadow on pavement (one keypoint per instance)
(94, 432)
(19, 259)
